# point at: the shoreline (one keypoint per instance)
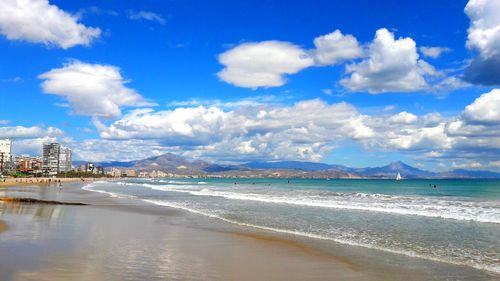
(17, 182)
(240, 255)
(252, 253)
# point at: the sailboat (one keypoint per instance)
(398, 177)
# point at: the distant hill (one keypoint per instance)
(176, 164)
(295, 165)
(459, 173)
(393, 169)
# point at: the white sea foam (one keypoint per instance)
(446, 208)
(492, 268)
(314, 201)
(91, 187)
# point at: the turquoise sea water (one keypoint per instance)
(457, 222)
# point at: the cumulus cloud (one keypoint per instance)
(266, 64)
(260, 132)
(91, 89)
(262, 64)
(484, 37)
(29, 132)
(335, 47)
(146, 15)
(389, 64)
(307, 130)
(404, 118)
(393, 65)
(433, 52)
(31, 146)
(485, 109)
(40, 22)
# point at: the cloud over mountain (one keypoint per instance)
(308, 130)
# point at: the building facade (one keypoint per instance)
(65, 160)
(5, 153)
(56, 159)
(28, 164)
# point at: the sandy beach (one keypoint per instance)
(122, 239)
(9, 182)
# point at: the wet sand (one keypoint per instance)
(121, 239)
(3, 226)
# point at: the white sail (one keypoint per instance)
(398, 177)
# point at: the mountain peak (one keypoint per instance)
(398, 164)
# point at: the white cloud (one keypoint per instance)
(467, 165)
(389, 107)
(29, 132)
(392, 65)
(31, 146)
(40, 22)
(484, 36)
(335, 47)
(484, 30)
(449, 84)
(91, 89)
(485, 109)
(4, 122)
(146, 15)
(230, 104)
(404, 118)
(266, 64)
(262, 64)
(433, 52)
(305, 130)
(433, 154)
(494, 164)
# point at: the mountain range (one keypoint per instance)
(172, 163)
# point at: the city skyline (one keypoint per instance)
(231, 82)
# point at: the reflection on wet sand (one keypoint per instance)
(3, 226)
(50, 213)
(54, 242)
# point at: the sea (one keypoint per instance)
(445, 220)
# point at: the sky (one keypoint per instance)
(358, 83)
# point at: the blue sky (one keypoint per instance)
(359, 83)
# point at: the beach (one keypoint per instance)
(40, 181)
(116, 238)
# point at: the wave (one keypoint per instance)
(399, 205)
(492, 268)
(90, 187)
(354, 242)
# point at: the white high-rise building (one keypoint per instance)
(5, 153)
(65, 160)
(56, 159)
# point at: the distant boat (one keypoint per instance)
(398, 177)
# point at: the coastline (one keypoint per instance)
(16, 182)
(168, 243)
